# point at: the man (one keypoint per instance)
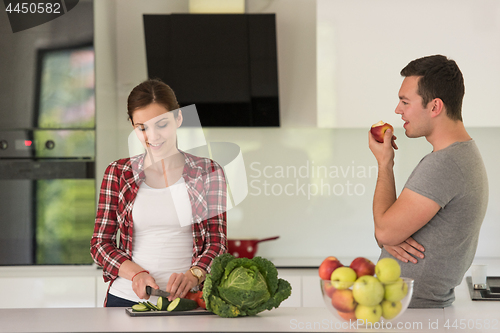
(443, 203)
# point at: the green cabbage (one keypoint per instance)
(243, 287)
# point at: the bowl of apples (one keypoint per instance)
(363, 292)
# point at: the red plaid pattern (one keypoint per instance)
(206, 188)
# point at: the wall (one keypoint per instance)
(18, 58)
(324, 119)
(362, 51)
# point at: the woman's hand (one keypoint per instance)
(179, 284)
(140, 282)
(406, 251)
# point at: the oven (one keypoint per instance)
(47, 196)
(47, 140)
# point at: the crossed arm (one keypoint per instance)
(397, 218)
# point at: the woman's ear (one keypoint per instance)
(179, 118)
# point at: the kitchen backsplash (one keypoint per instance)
(314, 188)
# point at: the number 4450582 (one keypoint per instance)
(33, 8)
(470, 324)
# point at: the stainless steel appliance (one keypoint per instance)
(47, 197)
(490, 293)
(47, 140)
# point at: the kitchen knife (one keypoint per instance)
(156, 292)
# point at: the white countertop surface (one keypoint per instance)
(474, 317)
(463, 316)
(116, 320)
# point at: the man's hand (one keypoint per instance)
(406, 251)
(383, 152)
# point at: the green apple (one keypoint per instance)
(368, 291)
(328, 266)
(396, 291)
(387, 270)
(343, 277)
(391, 309)
(369, 314)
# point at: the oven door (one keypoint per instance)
(48, 211)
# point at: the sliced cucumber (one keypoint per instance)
(140, 307)
(153, 307)
(162, 303)
(182, 304)
(149, 305)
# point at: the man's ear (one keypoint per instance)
(437, 107)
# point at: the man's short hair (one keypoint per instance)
(441, 78)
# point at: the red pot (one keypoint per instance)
(245, 248)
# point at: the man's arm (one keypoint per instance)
(410, 212)
(396, 219)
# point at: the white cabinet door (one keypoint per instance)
(311, 292)
(47, 292)
(101, 290)
(295, 299)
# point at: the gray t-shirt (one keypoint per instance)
(455, 178)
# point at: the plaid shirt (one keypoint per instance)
(206, 188)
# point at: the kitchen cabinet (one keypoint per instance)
(304, 311)
(48, 286)
(311, 292)
(295, 300)
(47, 292)
(306, 291)
(101, 290)
(83, 286)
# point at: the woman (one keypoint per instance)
(168, 206)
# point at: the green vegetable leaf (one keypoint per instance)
(243, 287)
(284, 291)
(223, 309)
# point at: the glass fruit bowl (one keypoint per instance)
(370, 310)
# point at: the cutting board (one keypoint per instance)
(194, 312)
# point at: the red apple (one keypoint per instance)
(378, 130)
(328, 266)
(343, 300)
(328, 288)
(363, 266)
(347, 315)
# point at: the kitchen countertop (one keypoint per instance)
(116, 320)
(463, 316)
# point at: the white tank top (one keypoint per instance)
(162, 240)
